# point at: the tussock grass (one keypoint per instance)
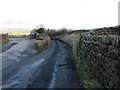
(72, 40)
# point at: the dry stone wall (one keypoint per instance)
(42, 44)
(102, 54)
(4, 37)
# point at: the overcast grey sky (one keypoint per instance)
(74, 14)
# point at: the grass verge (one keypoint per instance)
(4, 41)
(87, 77)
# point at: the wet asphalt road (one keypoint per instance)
(6, 46)
(12, 41)
(53, 68)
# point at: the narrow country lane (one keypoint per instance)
(53, 68)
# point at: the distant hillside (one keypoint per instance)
(16, 32)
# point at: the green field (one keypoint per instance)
(16, 32)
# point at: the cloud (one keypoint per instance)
(13, 22)
(75, 14)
